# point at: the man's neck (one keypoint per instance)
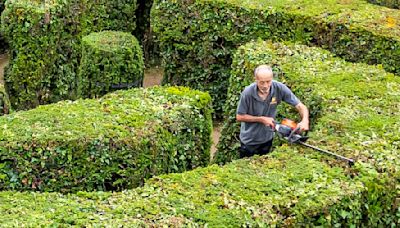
(262, 95)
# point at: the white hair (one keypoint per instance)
(262, 67)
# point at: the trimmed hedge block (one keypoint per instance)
(45, 44)
(112, 143)
(395, 4)
(197, 38)
(357, 110)
(110, 60)
(282, 189)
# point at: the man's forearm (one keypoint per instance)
(248, 118)
(303, 111)
(268, 121)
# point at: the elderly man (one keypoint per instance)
(257, 109)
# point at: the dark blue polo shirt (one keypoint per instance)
(250, 103)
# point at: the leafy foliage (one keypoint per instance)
(281, 189)
(112, 143)
(197, 38)
(110, 60)
(356, 105)
(45, 43)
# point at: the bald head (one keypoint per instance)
(263, 75)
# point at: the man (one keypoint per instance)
(257, 109)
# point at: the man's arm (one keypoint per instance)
(304, 124)
(268, 121)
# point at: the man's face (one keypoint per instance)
(264, 81)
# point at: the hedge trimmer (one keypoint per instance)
(289, 131)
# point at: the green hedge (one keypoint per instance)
(45, 44)
(395, 4)
(282, 189)
(356, 106)
(108, 144)
(110, 60)
(198, 37)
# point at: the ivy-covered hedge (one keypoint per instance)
(198, 37)
(356, 106)
(283, 189)
(110, 60)
(395, 4)
(112, 143)
(45, 38)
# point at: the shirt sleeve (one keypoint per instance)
(243, 105)
(288, 96)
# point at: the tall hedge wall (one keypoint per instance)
(45, 47)
(356, 106)
(198, 37)
(395, 4)
(108, 144)
(283, 189)
(110, 60)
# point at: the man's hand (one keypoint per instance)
(303, 126)
(267, 121)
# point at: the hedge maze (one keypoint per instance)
(77, 163)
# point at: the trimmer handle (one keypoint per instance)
(297, 136)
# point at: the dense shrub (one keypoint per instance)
(357, 108)
(198, 37)
(110, 60)
(395, 4)
(283, 189)
(45, 45)
(108, 144)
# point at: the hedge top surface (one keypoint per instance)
(110, 40)
(354, 13)
(359, 103)
(115, 114)
(278, 189)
